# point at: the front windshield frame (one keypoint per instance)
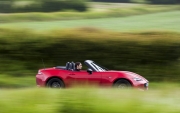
(94, 66)
(99, 67)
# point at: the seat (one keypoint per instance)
(73, 66)
(67, 65)
(70, 66)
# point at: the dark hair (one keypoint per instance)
(77, 64)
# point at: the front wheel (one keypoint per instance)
(55, 83)
(122, 84)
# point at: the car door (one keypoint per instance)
(82, 78)
(108, 78)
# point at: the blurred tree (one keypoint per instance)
(6, 6)
(79, 5)
(116, 1)
(57, 5)
(164, 1)
(53, 5)
(140, 1)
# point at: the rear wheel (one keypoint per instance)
(55, 83)
(122, 84)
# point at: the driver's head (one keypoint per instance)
(78, 65)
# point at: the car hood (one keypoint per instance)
(131, 74)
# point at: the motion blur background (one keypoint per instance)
(135, 35)
(142, 36)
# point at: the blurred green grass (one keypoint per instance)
(96, 10)
(8, 81)
(80, 100)
(167, 21)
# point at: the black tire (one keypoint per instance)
(55, 83)
(122, 84)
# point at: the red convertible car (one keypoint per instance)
(95, 75)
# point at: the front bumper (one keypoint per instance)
(39, 81)
(142, 86)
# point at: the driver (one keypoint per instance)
(78, 66)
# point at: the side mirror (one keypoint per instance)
(89, 71)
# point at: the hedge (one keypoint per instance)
(152, 54)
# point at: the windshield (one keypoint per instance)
(99, 67)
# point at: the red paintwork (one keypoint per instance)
(104, 79)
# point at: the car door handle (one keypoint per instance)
(71, 74)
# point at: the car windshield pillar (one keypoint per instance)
(95, 67)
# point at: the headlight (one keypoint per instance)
(39, 73)
(137, 79)
(146, 84)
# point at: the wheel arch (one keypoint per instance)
(122, 79)
(52, 78)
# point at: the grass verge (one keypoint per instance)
(8, 81)
(89, 101)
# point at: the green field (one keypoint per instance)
(95, 10)
(167, 21)
(89, 101)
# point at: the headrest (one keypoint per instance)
(67, 65)
(73, 65)
(70, 66)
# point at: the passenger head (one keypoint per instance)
(78, 65)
